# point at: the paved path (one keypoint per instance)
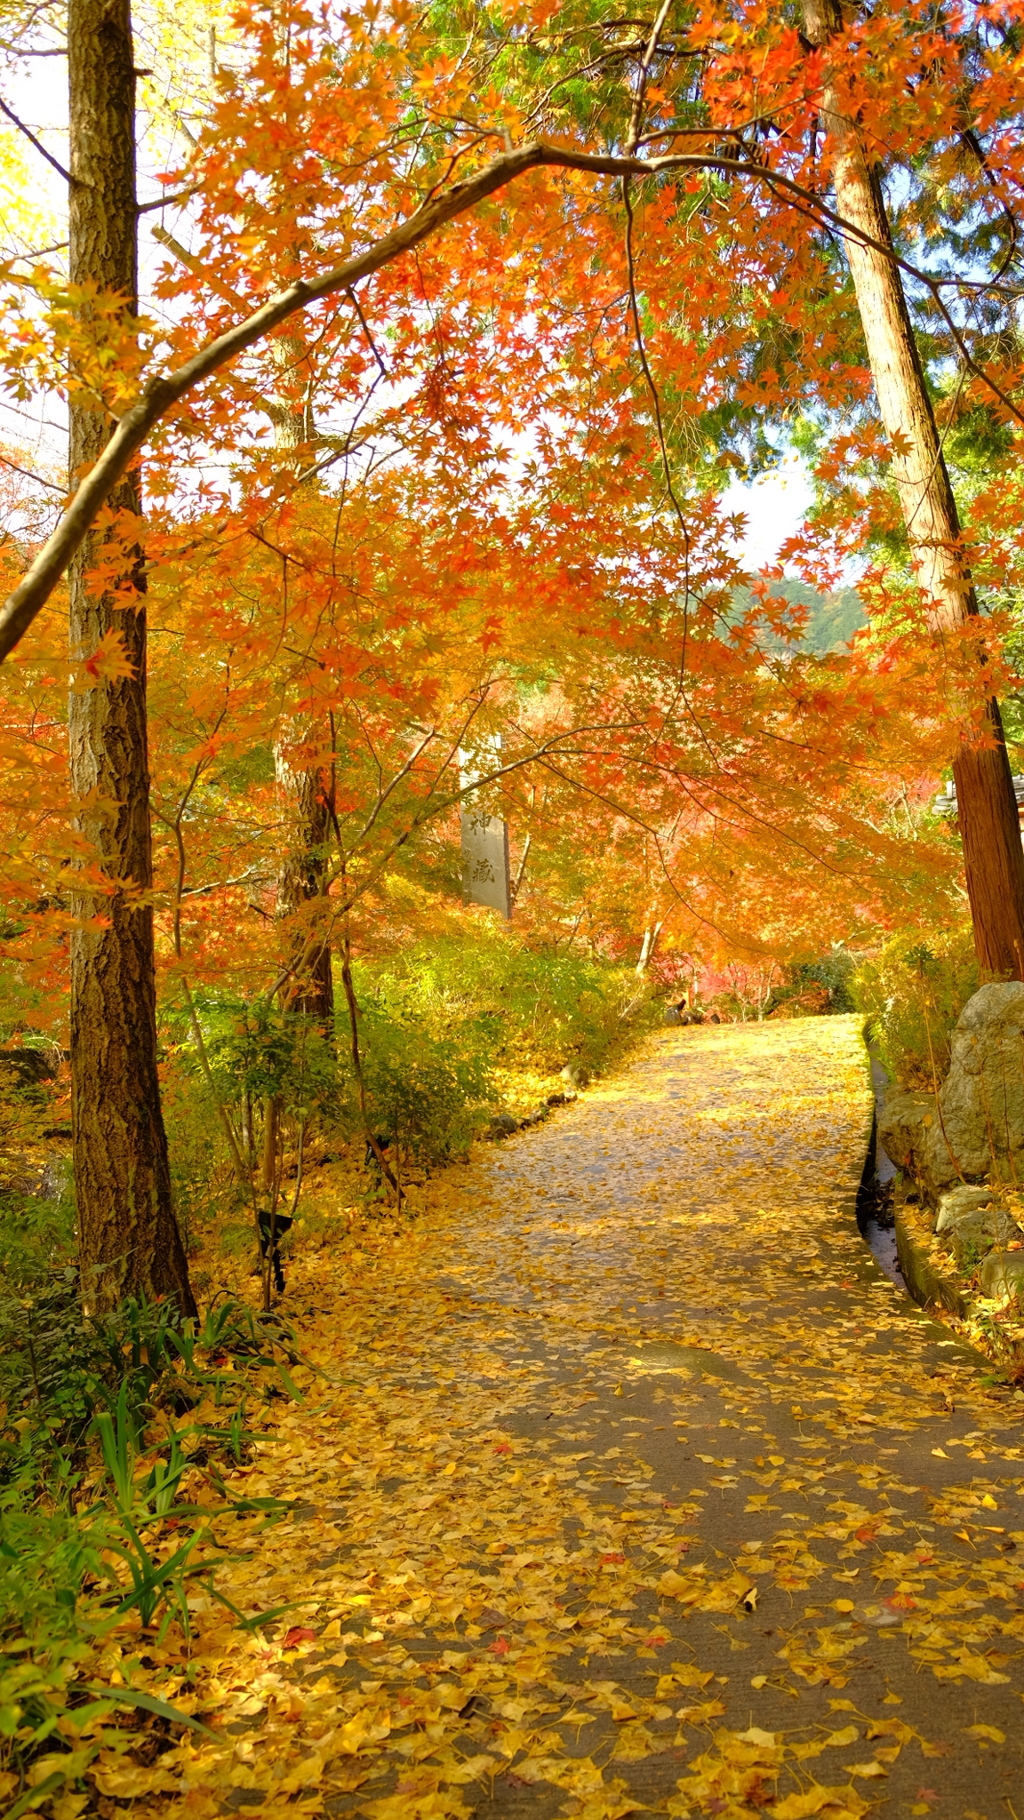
(644, 1489)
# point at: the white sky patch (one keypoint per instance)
(774, 506)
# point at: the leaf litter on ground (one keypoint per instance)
(624, 1413)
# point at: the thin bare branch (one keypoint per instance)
(29, 475)
(37, 143)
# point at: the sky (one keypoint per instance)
(774, 507)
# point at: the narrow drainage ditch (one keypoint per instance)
(875, 1216)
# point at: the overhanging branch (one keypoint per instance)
(165, 391)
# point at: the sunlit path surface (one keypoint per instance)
(635, 1487)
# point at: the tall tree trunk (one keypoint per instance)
(128, 1237)
(300, 887)
(303, 876)
(986, 806)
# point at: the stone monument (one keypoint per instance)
(486, 878)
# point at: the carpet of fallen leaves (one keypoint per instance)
(624, 1482)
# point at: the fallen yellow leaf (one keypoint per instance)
(684, 1674)
(799, 1807)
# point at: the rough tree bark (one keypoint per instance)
(302, 880)
(301, 887)
(986, 806)
(128, 1237)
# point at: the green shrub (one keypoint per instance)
(203, 1178)
(488, 994)
(58, 1367)
(431, 1094)
(435, 1022)
(833, 972)
(46, 1552)
(255, 1062)
(61, 1371)
(438, 1019)
(913, 991)
(821, 986)
(266, 1052)
(61, 1594)
(37, 1236)
(47, 1556)
(254, 1052)
(79, 1552)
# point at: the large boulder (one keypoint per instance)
(974, 1126)
(905, 1124)
(982, 1098)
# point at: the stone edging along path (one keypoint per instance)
(632, 1485)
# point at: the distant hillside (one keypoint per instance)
(832, 619)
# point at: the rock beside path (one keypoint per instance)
(1002, 1274)
(974, 1126)
(904, 1130)
(502, 1125)
(975, 1233)
(960, 1201)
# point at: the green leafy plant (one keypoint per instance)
(820, 986)
(96, 1522)
(439, 1018)
(435, 1022)
(428, 1094)
(913, 991)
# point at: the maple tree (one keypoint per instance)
(674, 287)
(405, 493)
(993, 858)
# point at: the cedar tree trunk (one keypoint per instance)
(986, 806)
(128, 1237)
